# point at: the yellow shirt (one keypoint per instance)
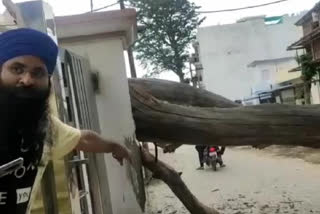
(64, 139)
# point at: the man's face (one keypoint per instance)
(24, 95)
(27, 75)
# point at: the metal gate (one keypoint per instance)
(78, 108)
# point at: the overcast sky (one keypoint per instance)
(68, 7)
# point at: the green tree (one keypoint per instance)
(309, 71)
(167, 28)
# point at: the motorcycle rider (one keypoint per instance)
(201, 148)
(220, 152)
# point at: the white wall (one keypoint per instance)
(315, 93)
(226, 50)
(272, 72)
(263, 73)
(114, 109)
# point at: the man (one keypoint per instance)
(220, 152)
(200, 149)
(27, 129)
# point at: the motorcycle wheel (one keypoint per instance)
(214, 165)
(208, 162)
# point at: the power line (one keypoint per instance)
(212, 11)
(243, 8)
(122, 6)
(101, 8)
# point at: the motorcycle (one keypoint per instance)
(211, 157)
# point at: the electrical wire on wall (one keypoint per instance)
(105, 7)
(244, 8)
(211, 11)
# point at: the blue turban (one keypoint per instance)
(23, 41)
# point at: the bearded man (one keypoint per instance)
(27, 129)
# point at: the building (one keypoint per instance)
(310, 43)
(195, 60)
(272, 77)
(102, 38)
(238, 57)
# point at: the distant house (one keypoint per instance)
(271, 81)
(236, 58)
(311, 33)
(310, 42)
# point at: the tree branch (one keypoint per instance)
(172, 178)
(181, 94)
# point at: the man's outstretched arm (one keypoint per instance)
(90, 141)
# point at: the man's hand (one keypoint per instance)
(93, 142)
(120, 152)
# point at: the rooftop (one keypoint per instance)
(305, 40)
(266, 61)
(103, 24)
(308, 15)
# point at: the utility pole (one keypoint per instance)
(122, 4)
(148, 174)
(194, 84)
(131, 62)
(91, 5)
(130, 53)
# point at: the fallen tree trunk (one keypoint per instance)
(181, 94)
(158, 121)
(172, 178)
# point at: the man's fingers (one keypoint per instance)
(124, 155)
(119, 159)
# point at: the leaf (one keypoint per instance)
(169, 28)
(309, 69)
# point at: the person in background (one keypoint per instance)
(220, 152)
(200, 149)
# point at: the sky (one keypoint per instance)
(288, 7)
(69, 7)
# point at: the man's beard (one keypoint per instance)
(24, 118)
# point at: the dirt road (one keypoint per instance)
(254, 181)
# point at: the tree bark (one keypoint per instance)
(172, 178)
(181, 94)
(162, 122)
